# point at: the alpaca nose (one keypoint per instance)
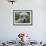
(24, 20)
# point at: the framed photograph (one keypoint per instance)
(22, 17)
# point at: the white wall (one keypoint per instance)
(38, 30)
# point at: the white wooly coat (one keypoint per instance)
(23, 13)
(23, 16)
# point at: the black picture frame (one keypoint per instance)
(17, 14)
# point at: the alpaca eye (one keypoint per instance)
(26, 17)
(21, 16)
